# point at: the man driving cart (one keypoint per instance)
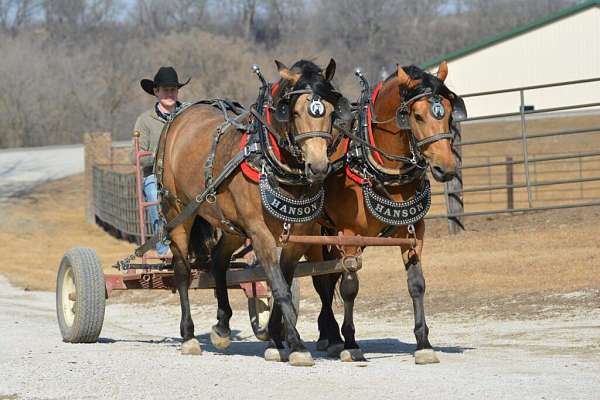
(149, 125)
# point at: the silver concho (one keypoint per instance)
(316, 108)
(437, 109)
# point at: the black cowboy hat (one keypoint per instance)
(166, 76)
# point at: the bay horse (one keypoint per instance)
(406, 124)
(290, 161)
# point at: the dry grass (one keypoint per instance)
(37, 230)
(497, 258)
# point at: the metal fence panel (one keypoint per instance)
(115, 203)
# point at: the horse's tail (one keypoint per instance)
(203, 239)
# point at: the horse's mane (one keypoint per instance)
(428, 81)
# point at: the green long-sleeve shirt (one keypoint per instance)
(149, 124)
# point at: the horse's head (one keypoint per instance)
(306, 106)
(427, 106)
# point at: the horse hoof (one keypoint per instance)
(322, 345)
(426, 356)
(334, 350)
(262, 335)
(273, 354)
(350, 355)
(220, 342)
(301, 359)
(191, 347)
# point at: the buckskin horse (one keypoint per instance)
(280, 162)
(379, 187)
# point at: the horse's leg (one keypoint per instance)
(349, 290)
(220, 333)
(329, 330)
(275, 350)
(330, 339)
(182, 271)
(416, 289)
(270, 258)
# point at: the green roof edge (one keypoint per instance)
(512, 33)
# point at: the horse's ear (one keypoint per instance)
(330, 70)
(442, 71)
(285, 72)
(405, 80)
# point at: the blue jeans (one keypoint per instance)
(151, 194)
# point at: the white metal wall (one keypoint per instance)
(564, 50)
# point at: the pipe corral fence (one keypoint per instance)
(527, 160)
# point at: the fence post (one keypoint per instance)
(580, 177)
(525, 152)
(97, 150)
(510, 204)
(454, 188)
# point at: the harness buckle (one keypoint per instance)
(285, 233)
(412, 232)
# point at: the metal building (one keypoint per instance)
(564, 46)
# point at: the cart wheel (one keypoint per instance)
(80, 296)
(259, 310)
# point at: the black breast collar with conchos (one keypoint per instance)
(361, 166)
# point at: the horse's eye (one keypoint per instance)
(419, 118)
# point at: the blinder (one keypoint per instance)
(402, 117)
(282, 111)
(459, 110)
(342, 114)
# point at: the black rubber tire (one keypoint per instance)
(84, 324)
(259, 310)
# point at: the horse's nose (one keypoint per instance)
(316, 172)
(441, 174)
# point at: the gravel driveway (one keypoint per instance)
(138, 358)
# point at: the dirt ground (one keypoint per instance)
(138, 357)
(501, 264)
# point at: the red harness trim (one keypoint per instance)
(248, 171)
(370, 119)
(377, 156)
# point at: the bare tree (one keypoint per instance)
(71, 66)
(15, 14)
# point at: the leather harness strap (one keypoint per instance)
(191, 208)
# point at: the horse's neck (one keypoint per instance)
(387, 135)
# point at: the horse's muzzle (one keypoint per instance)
(316, 174)
(441, 174)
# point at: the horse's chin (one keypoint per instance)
(315, 178)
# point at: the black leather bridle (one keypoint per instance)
(293, 138)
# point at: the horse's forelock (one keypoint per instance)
(310, 75)
(307, 69)
(428, 81)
